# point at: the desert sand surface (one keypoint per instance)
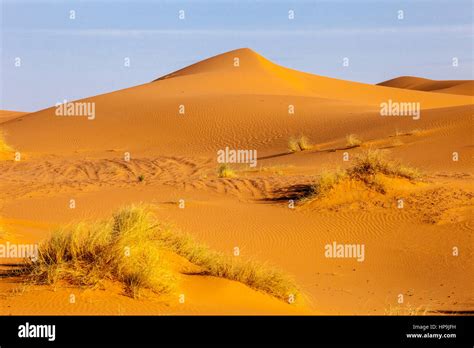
(409, 251)
(462, 87)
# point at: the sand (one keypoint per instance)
(408, 251)
(462, 87)
(6, 115)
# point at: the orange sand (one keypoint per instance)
(408, 250)
(463, 87)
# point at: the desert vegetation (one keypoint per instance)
(367, 168)
(5, 149)
(300, 143)
(225, 171)
(256, 275)
(353, 141)
(130, 248)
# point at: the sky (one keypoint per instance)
(71, 58)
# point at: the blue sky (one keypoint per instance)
(70, 59)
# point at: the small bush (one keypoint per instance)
(293, 145)
(141, 178)
(129, 248)
(225, 171)
(304, 143)
(301, 143)
(326, 181)
(367, 169)
(372, 162)
(353, 141)
(119, 249)
(254, 274)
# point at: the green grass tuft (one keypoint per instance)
(353, 141)
(301, 143)
(372, 162)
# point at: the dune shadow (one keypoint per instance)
(314, 151)
(13, 270)
(274, 156)
(292, 192)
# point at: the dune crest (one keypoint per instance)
(199, 103)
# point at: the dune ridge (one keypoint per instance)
(461, 87)
(209, 92)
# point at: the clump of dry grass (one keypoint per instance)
(129, 248)
(301, 143)
(367, 169)
(372, 162)
(121, 248)
(225, 171)
(353, 141)
(255, 275)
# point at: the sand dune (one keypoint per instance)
(262, 90)
(461, 87)
(173, 158)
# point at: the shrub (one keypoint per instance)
(326, 181)
(225, 171)
(372, 162)
(249, 272)
(120, 248)
(301, 143)
(367, 169)
(353, 141)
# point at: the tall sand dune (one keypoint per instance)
(224, 104)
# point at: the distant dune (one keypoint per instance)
(462, 87)
(224, 104)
